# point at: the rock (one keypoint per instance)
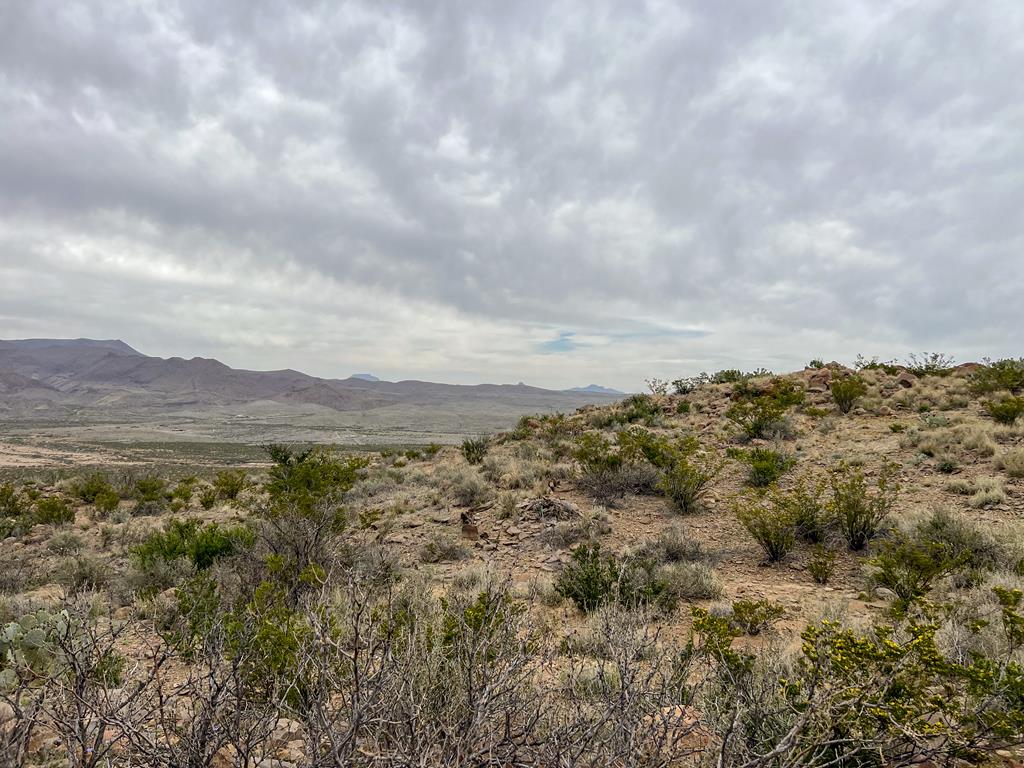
(967, 368)
(906, 379)
(513, 530)
(819, 380)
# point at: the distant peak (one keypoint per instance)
(364, 377)
(596, 389)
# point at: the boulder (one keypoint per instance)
(906, 379)
(819, 380)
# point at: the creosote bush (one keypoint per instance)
(846, 391)
(229, 483)
(771, 525)
(594, 578)
(752, 617)
(53, 510)
(857, 509)
(766, 465)
(1005, 411)
(822, 564)
(686, 482)
(1002, 375)
(760, 412)
(196, 544)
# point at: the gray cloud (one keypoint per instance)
(452, 190)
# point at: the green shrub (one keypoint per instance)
(638, 444)
(802, 504)
(639, 408)
(962, 539)
(592, 579)
(857, 511)
(53, 510)
(846, 391)
(890, 367)
(107, 501)
(191, 540)
(685, 386)
(1002, 375)
(474, 450)
(609, 472)
(229, 483)
(687, 481)
(760, 418)
(303, 482)
(95, 485)
(771, 527)
(766, 465)
(150, 489)
(909, 564)
(1007, 410)
(10, 501)
(208, 497)
(822, 564)
(588, 579)
(641, 583)
(752, 617)
(683, 406)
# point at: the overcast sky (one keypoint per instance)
(555, 192)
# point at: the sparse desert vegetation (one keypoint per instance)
(750, 580)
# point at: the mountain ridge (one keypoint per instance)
(105, 375)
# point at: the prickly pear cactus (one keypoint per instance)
(26, 645)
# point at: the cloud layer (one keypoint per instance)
(560, 192)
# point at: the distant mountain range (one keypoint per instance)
(45, 378)
(597, 389)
